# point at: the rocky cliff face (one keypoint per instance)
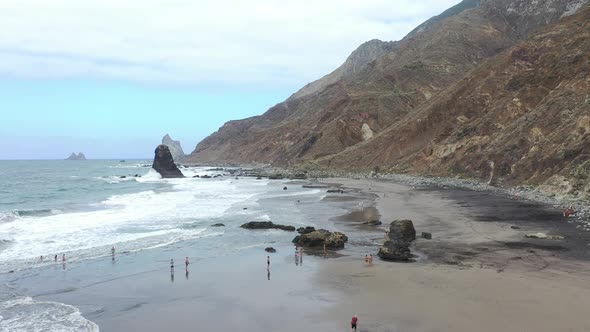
(175, 148)
(79, 156)
(469, 89)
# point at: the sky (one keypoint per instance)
(109, 78)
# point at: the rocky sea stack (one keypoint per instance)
(164, 163)
(79, 156)
(175, 148)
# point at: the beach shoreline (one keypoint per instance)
(477, 272)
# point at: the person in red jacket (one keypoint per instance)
(353, 322)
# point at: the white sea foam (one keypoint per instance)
(26, 314)
(137, 220)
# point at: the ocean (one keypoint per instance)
(81, 209)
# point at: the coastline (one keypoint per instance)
(476, 274)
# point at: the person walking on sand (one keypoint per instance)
(55, 258)
(113, 250)
(268, 261)
(171, 264)
(63, 257)
(353, 322)
(186, 262)
(366, 259)
(370, 259)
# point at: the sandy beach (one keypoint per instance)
(478, 273)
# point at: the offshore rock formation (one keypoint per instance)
(175, 148)
(164, 163)
(488, 84)
(79, 156)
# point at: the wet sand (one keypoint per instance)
(476, 274)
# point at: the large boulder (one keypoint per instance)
(402, 230)
(399, 237)
(266, 225)
(164, 163)
(332, 240)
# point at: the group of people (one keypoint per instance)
(369, 259)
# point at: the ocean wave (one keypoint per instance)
(26, 314)
(6, 216)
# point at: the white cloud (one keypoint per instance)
(224, 42)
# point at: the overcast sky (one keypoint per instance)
(111, 77)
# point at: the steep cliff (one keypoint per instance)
(456, 83)
(521, 117)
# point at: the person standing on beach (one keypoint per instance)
(113, 250)
(370, 259)
(366, 259)
(171, 264)
(63, 257)
(353, 322)
(186, 263)
(268, 261)
(55, 258)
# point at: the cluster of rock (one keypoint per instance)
(397, 246)
(312, 238)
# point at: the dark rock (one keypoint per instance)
(300, 176)
(137, 176)
(315, 186)
(335, 191)
(397, 247)
(196, 176)
(514, 227)
(305, 230)
(426, 235)
(258, 178)
(284, 188)
(402, 230)
(320, 237)
(270, 249)
(164, 164)
(206, 177)
(122, 177)
(244, 208)
(266, 225)
(372, 223)
(218, 225)
(276, 177)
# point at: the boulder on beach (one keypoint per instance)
(218, 225)
(277, 176)
(267, 225)
(397, 246)
(426, 235)
(270, 249)
(335, 191)
(317, 238)
(164, 164)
